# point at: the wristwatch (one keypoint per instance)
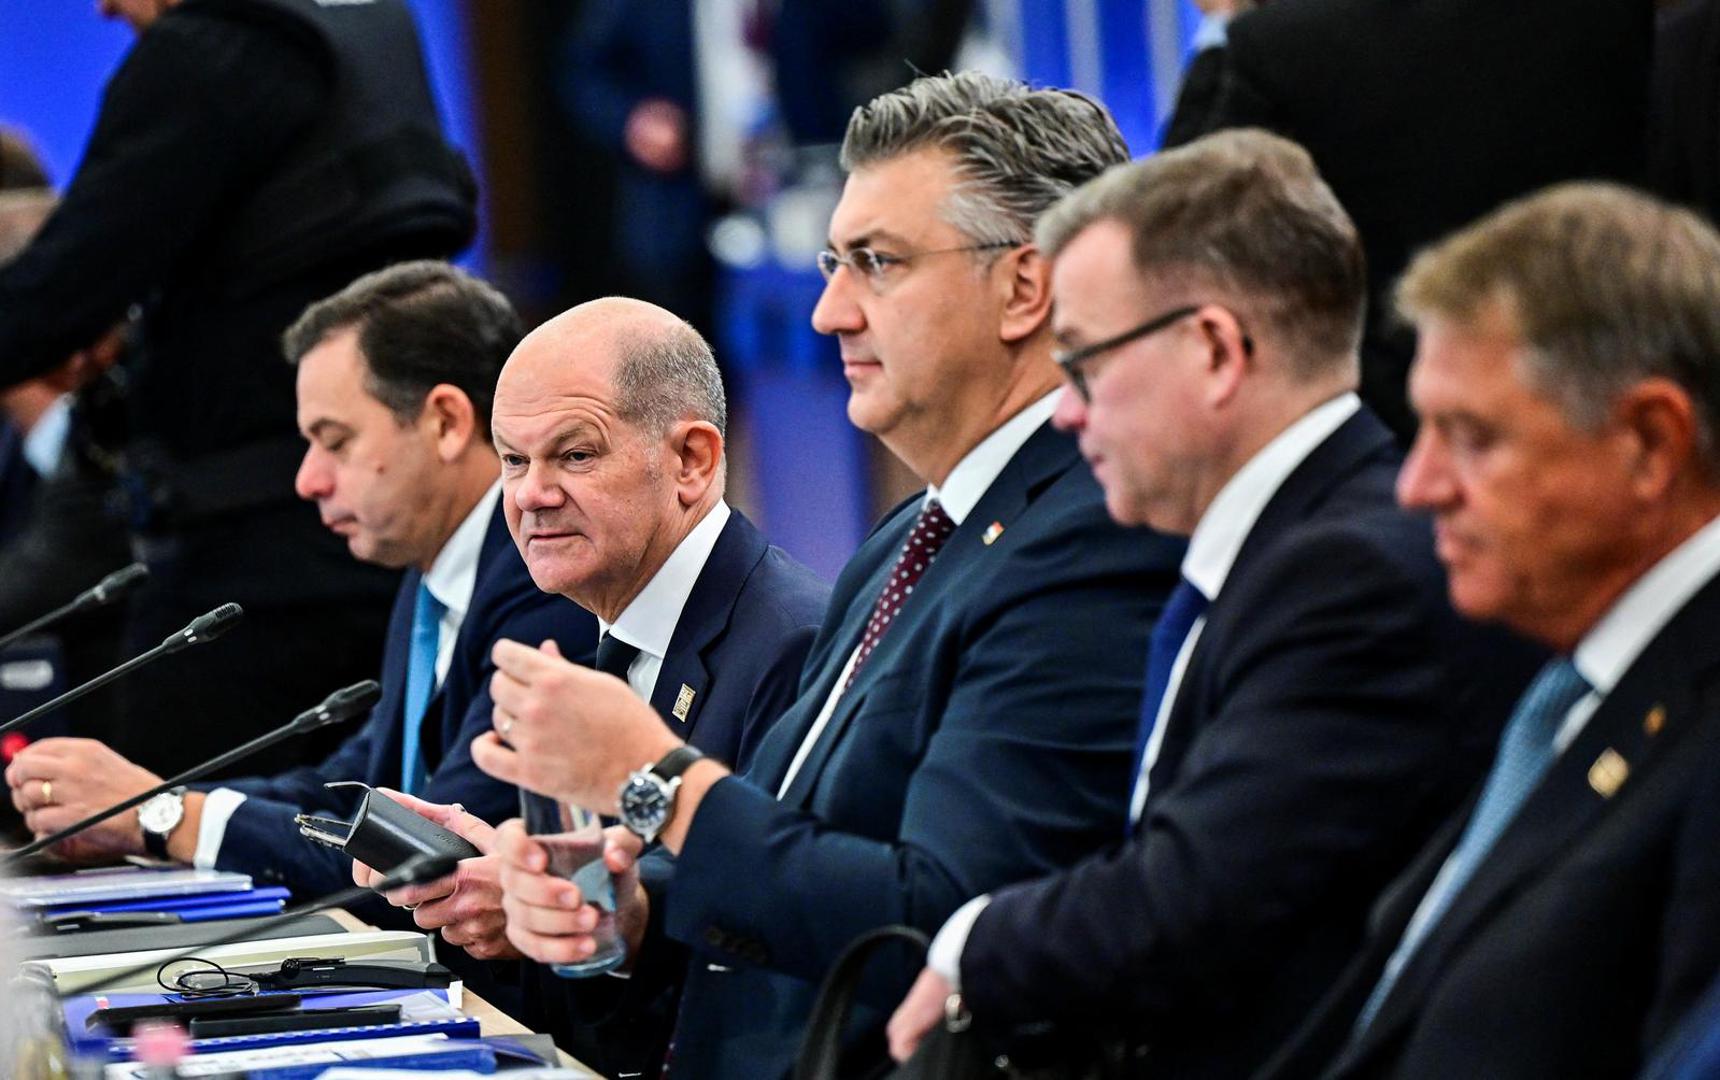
(648, 797)
(159, 817)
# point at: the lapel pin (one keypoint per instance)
(1608, 773)
(683, 702)
(1655, 720)
(992, 532)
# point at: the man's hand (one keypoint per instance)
(58, 782)
(547, 916)
(465, 906)
(918, 1013)
(566, 731)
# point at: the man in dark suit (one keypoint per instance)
(1305, 725)
(1423, 116)
(610, 421)
(965, 715)
(248, 159)
(395, 377)
(1568, 380)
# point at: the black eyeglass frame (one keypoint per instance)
(829, 262)
(1072, 361)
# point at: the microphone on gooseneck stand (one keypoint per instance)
(206, 627)
(102, 593)
(343, 704)
(416, 871)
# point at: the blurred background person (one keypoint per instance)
(248, 158)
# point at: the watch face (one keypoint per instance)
(161, 814)
(644, 804)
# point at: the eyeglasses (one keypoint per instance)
(1074, 361)
(873, 265)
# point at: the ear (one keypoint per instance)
(698, 450)
(1027, 304)
(1655, 422)
(1229, 352)
(452, 419)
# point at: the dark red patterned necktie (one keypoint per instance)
(923, 544)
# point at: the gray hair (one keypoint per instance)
(1017, 148)
(1243, 211)
(665, 376)
(1605, 286)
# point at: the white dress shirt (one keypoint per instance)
(648, 622)
(451, 579)
(960, 492)
(1212, 551)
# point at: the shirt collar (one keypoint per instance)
(648, 623)
(1219, 535)
(1612, 645)
(968, 482)
(454, 574)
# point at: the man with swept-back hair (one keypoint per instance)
(966, 713)
(1314, 707)
(1568, 381)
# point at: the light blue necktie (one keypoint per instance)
(1185, 605)
(420, 683)
(1526, 752)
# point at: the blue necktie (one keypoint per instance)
(1526, 752)
(420, 682)
(1186, 604)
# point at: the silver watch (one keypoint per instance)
(159, 817)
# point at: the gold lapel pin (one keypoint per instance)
(992, 532)
(683, 702)
(1655, 720)
(1608, 773)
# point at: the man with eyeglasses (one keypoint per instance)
(1313, 706)
(967, 712)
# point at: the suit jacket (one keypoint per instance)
(735, 655)
(1425, 114)
(986, 739)
(1591, 926)
(1693, 1051)
(1318, 736)
(261, 838)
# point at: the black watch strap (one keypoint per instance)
(676, 761)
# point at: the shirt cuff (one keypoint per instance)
(945, 955)
(218, 807)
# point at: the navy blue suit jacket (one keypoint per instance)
(1321, 732)
(987, 739)
(261, 839)
(1592, 926)
(737, 649)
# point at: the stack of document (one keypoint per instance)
(307, 1062)
(186, 895)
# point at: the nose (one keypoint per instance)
(534, 489)
(836, 311)
(1071, 412)
(314, 480)
(1426, 482)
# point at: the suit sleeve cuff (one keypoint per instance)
(218, 809)
(945, 955)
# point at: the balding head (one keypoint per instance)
(609, 419)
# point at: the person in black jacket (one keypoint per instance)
(250, 156)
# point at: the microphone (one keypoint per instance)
(205, 627)
(414, 871)
(98, 595)
(343, 704)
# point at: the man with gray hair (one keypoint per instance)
(966, 714)
(1568, 381)
(1314, 707)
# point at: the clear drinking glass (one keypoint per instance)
(573, 837)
